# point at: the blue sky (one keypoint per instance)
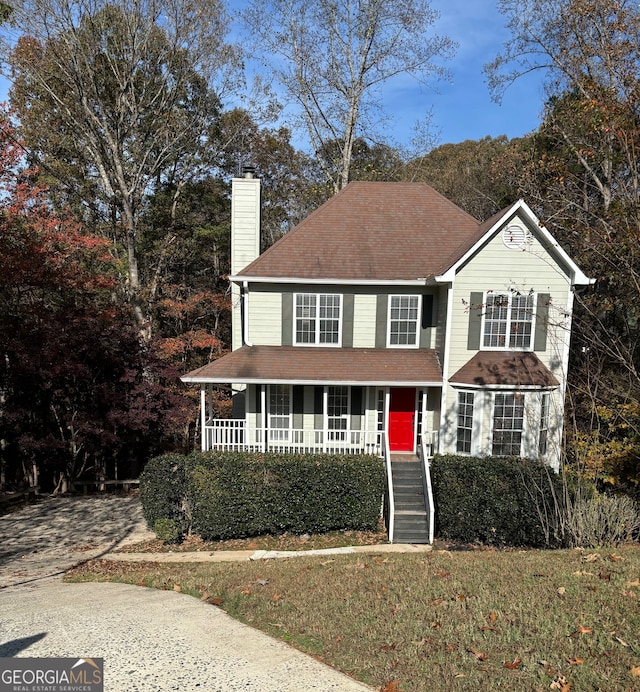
(462, 108)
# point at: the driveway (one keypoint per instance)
(50, 536)
(150, 640)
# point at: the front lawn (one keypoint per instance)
(446, 620)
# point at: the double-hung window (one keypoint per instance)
(404, 314)
(317, 319)
(337, 413)
(465, 422)
(508, 424)
(508, 320)
(279, 412)
(543, 433)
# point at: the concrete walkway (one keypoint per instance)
(150, 640)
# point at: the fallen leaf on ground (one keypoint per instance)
(389, 647)
(575, 661)
(215, 601)
(435, 625)
(621, 641)
(478, 654)
(327, 562)
(592, 557)
(262, 582)
(391, 686)
(442, 573)
(635, 671)
(633, 583)
(583, 573)
(561, 683)
(582, 630)
(488, 628)
(435, 601)
(177, 587)
(276, 597)
(616, 558)
(561, 591)
(246, 592)
(514, 665)
(492, 617)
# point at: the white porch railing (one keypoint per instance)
(236, 435)
(428, 447)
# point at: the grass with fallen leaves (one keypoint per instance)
(446, 620)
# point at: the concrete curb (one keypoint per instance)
(250, 555)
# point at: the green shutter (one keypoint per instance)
(428, 311)
(287, 319)
(381, 320)
(542, 322)
(347, 321)
(426, 321)
(357, 407)
(318, 404)
(298, 407)
(475, 321)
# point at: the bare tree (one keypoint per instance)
(333, 57)
(118, 97)
(589, 50)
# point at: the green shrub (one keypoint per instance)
(163, 492)
(167, 530)
(496, 501)
(233, 495)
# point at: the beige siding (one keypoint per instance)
(265, 319)
(364, 321)
(498, 268)
(245, 222)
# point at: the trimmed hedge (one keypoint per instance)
(163, 487)
(494, 500)
(237, 494)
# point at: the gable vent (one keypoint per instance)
(515, 236)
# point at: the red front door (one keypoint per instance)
(402, 417)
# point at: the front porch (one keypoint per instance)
(238, 436)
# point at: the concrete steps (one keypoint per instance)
(410, 518)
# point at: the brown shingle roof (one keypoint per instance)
(374, 231)
(505, 368)
(322, 365)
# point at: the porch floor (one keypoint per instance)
(404, 456)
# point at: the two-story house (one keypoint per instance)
(392, 322)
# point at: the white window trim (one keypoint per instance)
(510, 294)
(317, 319)
(476, 430)
(547, 428)
(328, 430)
(524, 436)
(418, 319)
(271, 415)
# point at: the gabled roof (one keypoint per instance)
(505, 369)
(491, 226)
(389, 232)
(371, 231)
(323, 365)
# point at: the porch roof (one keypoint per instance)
(505, 369)
(322, 365)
